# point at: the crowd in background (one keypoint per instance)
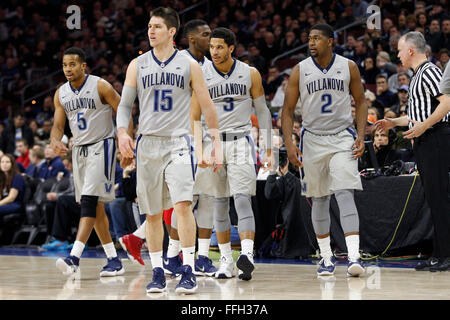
(33, 38)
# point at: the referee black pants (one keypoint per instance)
(432, 151)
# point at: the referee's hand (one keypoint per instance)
(416, 131)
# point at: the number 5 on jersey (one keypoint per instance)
(82, 124)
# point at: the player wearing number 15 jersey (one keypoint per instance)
(330, 146)
(87, 102)
(164, 80)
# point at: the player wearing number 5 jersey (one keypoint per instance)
(88, 102)
(329, 144)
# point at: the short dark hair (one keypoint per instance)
(326, 29)
(77, 51)
(170, 16)
(192, 25)
(226, 34)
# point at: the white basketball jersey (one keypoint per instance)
(164, 94)
(231, 95)
(89, 119)
(203, 64)
(325, 95)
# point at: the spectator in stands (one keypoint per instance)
(443, 58)
(273, 81)
(121, 221)
(361, 53)
(257, 60)
(289, 42)
(384, 64)
(269, 46)
(44, 132)
(46, 112)
(370, 71)
(385, 97)
(446, 33)
(12, 186)
(435, 37)
(59, 186)
(15, 130)
(23, 152)
(402, 95)
(37, 160)
(52, 165)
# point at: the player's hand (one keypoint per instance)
(126, 144)
(216, 155)
(125, 162)
(59, 148)
(294, 156)
(204, 161)
(358, 148)
(416, 131)
(268, 160)
(384, 124)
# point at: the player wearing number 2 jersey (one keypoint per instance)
(88, 101)
(330, 146)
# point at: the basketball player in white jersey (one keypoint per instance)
(164, 81)
(88, 101)
(330, 146)
(198, 34)
(235, 89)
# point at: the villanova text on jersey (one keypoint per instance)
(228, 89)
(79, 103)
(325, 84)
(163, 78)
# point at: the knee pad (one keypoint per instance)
(88, 206)
(320, 215)
(222, 220)
(243, 205)
(347, 210)
(205, 212)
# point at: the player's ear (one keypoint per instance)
(231, 48)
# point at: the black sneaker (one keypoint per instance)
(427, 264)
(443, 265)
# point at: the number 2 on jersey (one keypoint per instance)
(326, 98)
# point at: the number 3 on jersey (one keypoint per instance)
(230, 104)
(326, 99)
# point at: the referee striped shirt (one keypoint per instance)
(423, 92)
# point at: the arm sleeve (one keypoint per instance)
(264, 119)
(125, 106)
(445, 81)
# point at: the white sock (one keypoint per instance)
(325, 249)
(110, 250)
(203, 247)
(174, 248)
(247, 247)
(156, 259)
(353, 247)
(226, 252)
(77, 249)
(189, 256)
(140, 232)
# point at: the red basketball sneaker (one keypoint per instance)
(132, 245)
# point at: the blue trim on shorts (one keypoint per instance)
(352, 132)
(135, 151)
(191, 148)
(252, 145)
(301, 150)
(112, 157)
(106, 151)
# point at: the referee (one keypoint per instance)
(428, 120)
